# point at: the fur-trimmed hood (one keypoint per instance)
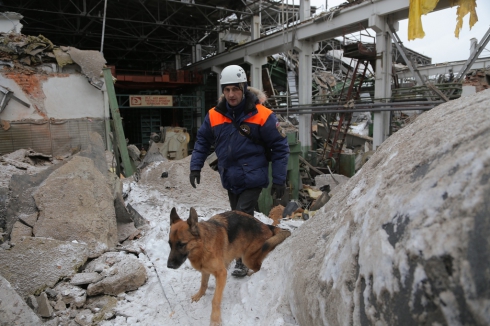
(260, 95)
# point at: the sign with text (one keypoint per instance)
(150, 100)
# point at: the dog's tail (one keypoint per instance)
(254, 261)
(279, 236)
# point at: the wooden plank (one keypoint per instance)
(120, 139)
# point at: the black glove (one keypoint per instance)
(195, 176)
(278, 190)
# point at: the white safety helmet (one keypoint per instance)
(232, 75)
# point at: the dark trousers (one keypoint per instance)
(246, 201)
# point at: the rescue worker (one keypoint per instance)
(246, 136)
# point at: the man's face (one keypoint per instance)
(233, 95)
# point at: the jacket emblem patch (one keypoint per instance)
(244, 129)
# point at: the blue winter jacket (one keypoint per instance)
(242, 164)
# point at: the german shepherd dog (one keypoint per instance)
(212, 245)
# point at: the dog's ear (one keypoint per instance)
(174, 217)
(192, 221)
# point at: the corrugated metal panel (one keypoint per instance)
(99, 127)
(6, 145)
(41, 137)
(60, 138)
(74, 134)
(84, 131)
(21, 135)
(54, 137)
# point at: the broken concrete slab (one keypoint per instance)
(125, 215)
(29, 220)
(122, 214)
(125, 226)
(32, 302)
(139, 221)
(75, 203)
(18, 231)
(84, 318)
(51, 293)
(103, 307)
(21, 202)
(36, 263)
(44, 307)
(127, 231)
(60, 305)
(72, 295)
(334, 180)
(96, 152)
(85, 278)
(124, 272)
(13, 309)
(56, 321)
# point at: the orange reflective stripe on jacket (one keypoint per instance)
(216, 118)
(261, 117)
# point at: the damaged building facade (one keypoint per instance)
(50, 103)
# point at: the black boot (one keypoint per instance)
(240, 269)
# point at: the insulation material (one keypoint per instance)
(423, 7)
(32, 51)
(417, 9)
(464, 7)
(62, 58)
(91, 63)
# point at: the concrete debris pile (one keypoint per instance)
(37, 54)
(172, 178)
(325, 81)
(311, 198)
(65, 248)
(404, 241)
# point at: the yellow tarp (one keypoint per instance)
(423, 7)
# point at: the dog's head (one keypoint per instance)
(183, 237)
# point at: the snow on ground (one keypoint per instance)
(166, 297)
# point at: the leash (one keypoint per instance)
(163, 289)
(159, 280)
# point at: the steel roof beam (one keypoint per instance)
(315, 30)
(115, 19)
(231, 11)
(441, 69)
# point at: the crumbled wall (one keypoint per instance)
(64, 97)
(478, 78)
